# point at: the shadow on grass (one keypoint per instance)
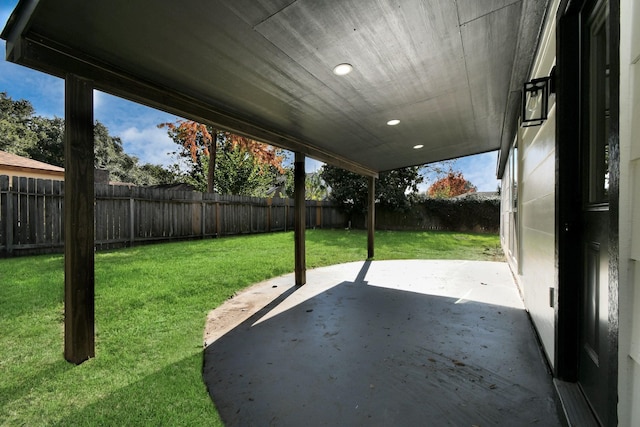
(163, 398)
(26, 383)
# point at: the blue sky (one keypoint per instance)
(136, 125)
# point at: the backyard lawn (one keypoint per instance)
(151, 307)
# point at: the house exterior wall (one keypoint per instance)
(509, 210)
(629, 222)
(535, 265)
(14, 165)
(535, 219)
(30, 173)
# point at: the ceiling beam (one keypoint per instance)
(53, 58)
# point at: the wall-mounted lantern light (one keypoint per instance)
(535, 100)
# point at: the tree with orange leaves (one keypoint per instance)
(453, 184)
(204, 142)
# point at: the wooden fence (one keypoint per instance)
(31, 215)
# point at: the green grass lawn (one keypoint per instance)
(151, 306)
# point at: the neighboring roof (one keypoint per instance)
(450, 71)
(15, 162)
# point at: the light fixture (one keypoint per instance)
(342, 69)
(393, 122)
(417, 147)
(535, 100)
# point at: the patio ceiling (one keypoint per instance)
(450, 71)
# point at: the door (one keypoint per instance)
(593, 369)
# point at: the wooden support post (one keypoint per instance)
(371, 217)
(299, 220)
(79, 303)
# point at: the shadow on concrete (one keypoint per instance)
(365, 354)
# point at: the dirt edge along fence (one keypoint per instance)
(32, 221)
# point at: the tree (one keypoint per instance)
(49, 146)
(393, 188)
(314, 187)
(16, 135)
(109, 154)
(151, 174)
(255, 162)
(454, 184)
(238, 172)
(42, 138)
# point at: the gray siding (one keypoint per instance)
(537, 213)
(534, 263)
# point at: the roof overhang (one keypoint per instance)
(451, 72)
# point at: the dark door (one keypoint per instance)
(594, 349)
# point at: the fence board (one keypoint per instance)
(47, 213)
(5, 222)
(32, 209)
(32, 220)
(57, 229)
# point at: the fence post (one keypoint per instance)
(202, 221)
(9, 219)
(269, 200)
(217, 216)
(132, 214)
(286, 213)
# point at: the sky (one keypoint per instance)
(137, 125)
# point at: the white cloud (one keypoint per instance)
(480, 170)
(150, 145)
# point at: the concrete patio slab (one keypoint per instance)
(400, 343)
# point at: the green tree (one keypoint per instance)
(240, 173)
(315, 187)
(42, 138)
(49, 146)
(224, 162)
(109, 154)
(150, 174)
(393, 188)
(16, 135)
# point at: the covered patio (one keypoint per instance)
(429, 81)
(400, 343)
(375, 343)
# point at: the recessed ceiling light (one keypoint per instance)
(417, 147)
(342, 69)
(393, 122)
